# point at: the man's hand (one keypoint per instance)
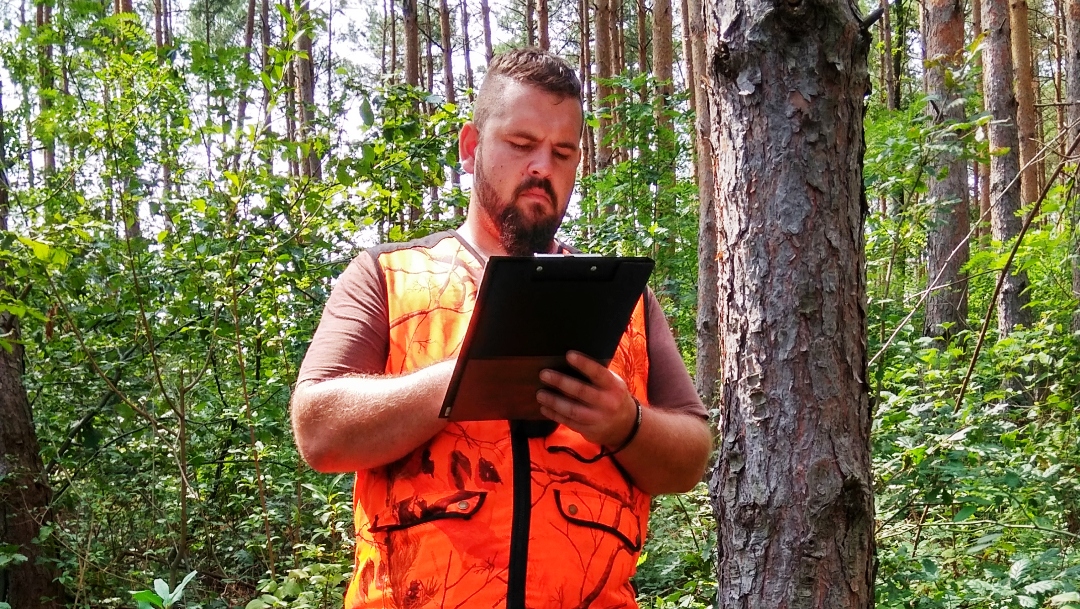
(602, 410)
(670, 450)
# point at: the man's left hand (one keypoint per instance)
(601, 409)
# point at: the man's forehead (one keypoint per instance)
(516, 100)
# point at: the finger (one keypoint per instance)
(570, 386)
(567, 411)
(592, 369)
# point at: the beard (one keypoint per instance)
(518, 235)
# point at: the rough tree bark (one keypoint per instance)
(947, 246)
(792, 487)
(707, 363)
(1072, 88)
(1004, 164)
(1025, 99)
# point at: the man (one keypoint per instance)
(493, 513)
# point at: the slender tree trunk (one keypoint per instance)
(898, 55)
(947, 248)
(707, 365)
(241, 112)
(1025, 99)
(485, 15)
(1059, 77)
(542, 22)
(45, 68)
(310, 165)
(663, 60)
(691, 76)
(264, 58)
(1072, 89)
(466, 43)
(1004, 165)
(412, 42)
(792, 488)
(642, 41)
(393, 39)
(603, 66)
(981, 171)
(448, 67)
(589, 152)
(530, 22)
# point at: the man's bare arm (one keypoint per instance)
(354, 423)
(670, 452)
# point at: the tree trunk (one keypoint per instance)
(24, 489)
(542, 22)
(310, 165)
(707, 366)
(642, 40)
(898, 55)
(1004, 165)
(792, 487)
(448, 67)
(241, 111)
(412, 42)
(589, 148)
(530, 23)
(45, 68)
(603, 66)
(947, 246)
(485, 14)
(663, 60)
(1072, 89)
(1025, 100)
(466, 44)
(980, 172)
(691, 74)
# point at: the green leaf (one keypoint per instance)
(1027, 601)
(161, 588)
(179, 591)
(42, 251)
(366, 113)
(1042, 587)
(966, 512)
(1065, 597)
(1018, 568)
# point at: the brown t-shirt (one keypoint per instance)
(353, 338)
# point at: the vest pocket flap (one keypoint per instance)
(419, 509)
(601, 512)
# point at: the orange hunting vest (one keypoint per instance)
(490, 514)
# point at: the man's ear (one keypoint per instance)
(468, 139)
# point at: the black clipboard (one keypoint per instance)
(529, 312)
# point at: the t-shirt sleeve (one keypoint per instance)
(670, 386)
(353, 333)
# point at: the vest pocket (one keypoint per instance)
(420, 509)
(601, 512)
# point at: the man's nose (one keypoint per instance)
(541, 163)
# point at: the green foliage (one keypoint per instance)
(678, 564)
(645, 203)
(161, 596)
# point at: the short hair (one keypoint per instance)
(528, 66)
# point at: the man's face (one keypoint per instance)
(524, 163)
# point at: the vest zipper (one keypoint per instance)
(519, 527)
